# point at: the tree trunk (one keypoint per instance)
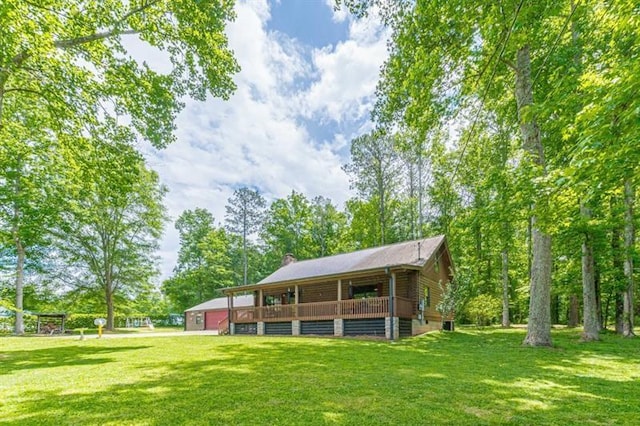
(505, 289)
(539, 326)
(244, 253)
(555, 309)
(597, 281)
(590, 322)
(110, 316)
(420, 213)
(20, 252)
(629, 240)
(619, 312)
(383, 218)
(618, 269)
(574, 311)
(19, 325)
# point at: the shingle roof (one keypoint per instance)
(401, 254)
(221, 303)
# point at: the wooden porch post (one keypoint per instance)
(392, 310)
(338, 323)
(296, 299)
(339, 310)
(229, 314)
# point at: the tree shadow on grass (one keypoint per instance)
(14, 360)
(458, 378)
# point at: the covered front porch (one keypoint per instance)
(371, 307)
(373, 304)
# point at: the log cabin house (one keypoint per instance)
(390, 291)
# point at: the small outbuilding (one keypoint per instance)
(50, 323)
(212, 314)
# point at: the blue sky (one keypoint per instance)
(310, 22)
(306, 89)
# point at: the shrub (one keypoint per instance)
(484, 309)
(7, 324)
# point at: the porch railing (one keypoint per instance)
(223, 326)
(374, 307)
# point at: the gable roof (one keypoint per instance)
(395, 255)
(221, 303)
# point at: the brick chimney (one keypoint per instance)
(287, 259)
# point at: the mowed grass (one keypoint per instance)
(466, 377)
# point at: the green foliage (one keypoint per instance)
(287, 229)
(66, 75)
(205, 261)
(75, 321)
(112, 221)
(484, 309)
(244, 216)
(375, 174)
(451, 299)
(51, 48)
(328, 228)
(7, 324)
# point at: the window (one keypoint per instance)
(365, 291)
(198, 318)
(270, 300)
(427, 296)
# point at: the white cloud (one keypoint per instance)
(259, 138)
(348, 73)
(339, 15)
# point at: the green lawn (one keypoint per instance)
(466, 377)
(132, 330)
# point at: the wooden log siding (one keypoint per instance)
(365, 281)
(404, 307)
(432, 276)
(321, 292)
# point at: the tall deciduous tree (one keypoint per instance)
(245, 212)
(287, 229)
(69, 63)
(375, 172)
(539, 325)
(30, 167)
(110, 226)
(193, 226)
(191, 280)
(328, 227)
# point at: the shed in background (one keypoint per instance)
(210, 314)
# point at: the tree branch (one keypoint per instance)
(72, 42)
(509, 64)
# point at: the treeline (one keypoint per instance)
(529, 115)
(512, 128)
(80, 211)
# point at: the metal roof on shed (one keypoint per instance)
(221, 303)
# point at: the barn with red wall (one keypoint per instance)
(207, 315)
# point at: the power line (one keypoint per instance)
(563, 76)
(555, 42)
(482, 99)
